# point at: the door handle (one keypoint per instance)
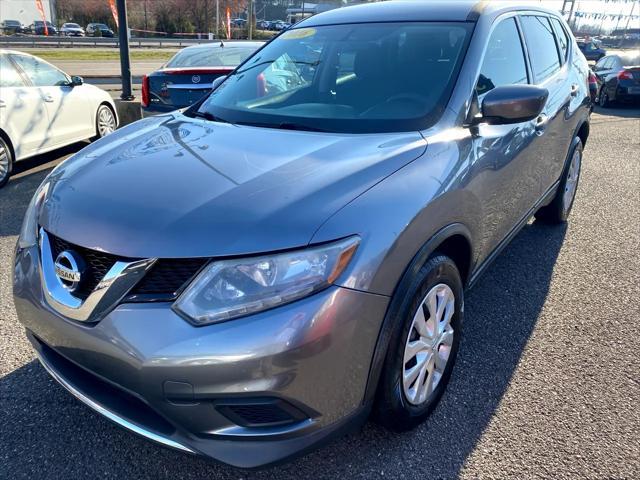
(541, 122)
(48, 98)
(2, 104)
(574, 90)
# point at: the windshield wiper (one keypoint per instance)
(207, 116)
(299, 126)
(284, 126)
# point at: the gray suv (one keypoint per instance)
(262, 271)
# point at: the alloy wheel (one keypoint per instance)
(106, 121)
(571, 185)
(4, 162)
(428, 345)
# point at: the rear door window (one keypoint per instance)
(541, 43)
(503, 62)
(9, 76)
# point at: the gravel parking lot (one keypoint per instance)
(547, 383)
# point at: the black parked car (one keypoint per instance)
(618, 78)
(591, 50)
(37, 28)
(11, 27)
(93, 29)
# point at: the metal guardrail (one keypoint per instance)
(41, 41)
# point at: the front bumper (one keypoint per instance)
(313, 354)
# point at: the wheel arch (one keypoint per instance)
(454, 241)
(583, 131)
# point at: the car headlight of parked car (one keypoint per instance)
(233, 288)
(29, 231)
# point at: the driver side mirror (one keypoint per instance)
(216, 83)
(512, 104)
(76, 81)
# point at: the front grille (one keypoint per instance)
(164, 282)
(97, 264)
(166, 279)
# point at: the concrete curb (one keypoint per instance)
(128, 111)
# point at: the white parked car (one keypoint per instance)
(42, 108)
(72, 30)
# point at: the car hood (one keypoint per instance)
(173, 186)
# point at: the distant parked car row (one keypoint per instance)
(274, 25)
(12, 27)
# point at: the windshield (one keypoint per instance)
(71, 25)
(41, 23)
(213, 56)
(355, 78)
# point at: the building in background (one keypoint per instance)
(26, 11)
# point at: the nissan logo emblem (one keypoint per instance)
(69, 268)
(195, 79)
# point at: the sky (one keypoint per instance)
(600, 6)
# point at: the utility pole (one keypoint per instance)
(125, 61)
(250, 20)
(633, 7)
(217, 18)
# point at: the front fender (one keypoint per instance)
(397, 217)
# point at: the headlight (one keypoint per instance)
(29, 231)
(233, 288)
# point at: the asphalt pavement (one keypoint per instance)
(547, 383)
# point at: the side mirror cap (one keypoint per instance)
(216, 83)
(76, 81)
(513, 104)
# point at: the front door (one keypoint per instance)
(506, 168)
(23, 114)
(69, 117)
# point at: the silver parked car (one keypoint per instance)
(259, 272)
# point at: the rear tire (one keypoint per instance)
(423, 346)
(6, 162)
(603, 99)
(560, 207)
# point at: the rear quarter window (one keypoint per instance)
(541, 43)
(561, 36)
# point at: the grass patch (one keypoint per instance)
(94, 54)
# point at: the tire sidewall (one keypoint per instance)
(438, 269)
(100, 108)
(5, 180)
(566, 212)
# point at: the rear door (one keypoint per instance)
(23, 114)
(70, 118)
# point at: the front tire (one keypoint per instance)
(105, 121)
(6, 162)
(423, 346)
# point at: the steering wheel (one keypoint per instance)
(407, 97)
